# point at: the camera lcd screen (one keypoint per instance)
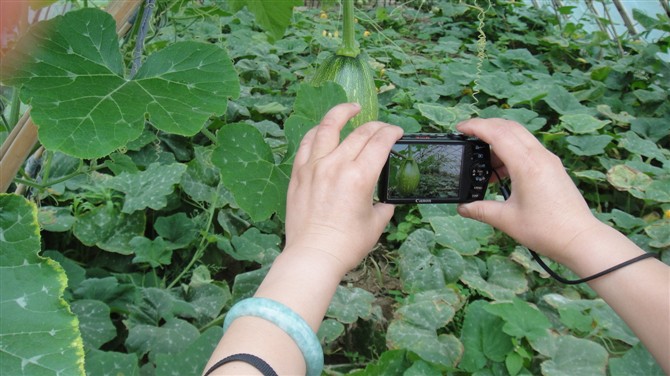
(427, 171)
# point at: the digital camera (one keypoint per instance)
(435, 168)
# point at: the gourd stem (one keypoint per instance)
(348, 34)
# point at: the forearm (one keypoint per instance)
(639, 293)
(305, 283)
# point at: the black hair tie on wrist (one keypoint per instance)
(253, 360)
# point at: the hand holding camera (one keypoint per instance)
(545, 210)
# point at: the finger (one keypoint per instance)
(304, 151)
(484, 211)
(375, 153)
(356, 140)
(510, 141)
(328, 131)
(382, 215)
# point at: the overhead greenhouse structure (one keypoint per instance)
(147, 150)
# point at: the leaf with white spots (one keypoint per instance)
(201, 179)
(249, 171)
(463, 235)
(502, 280)
(255, 246)
(576, 356)
(38, 333)
(193, 359)
(95, 322)
(171, 338)
(423, 267)
(109, 363)
(109, 229)
(350, 303)
(72, 74)
(149, 188)
(417, 324)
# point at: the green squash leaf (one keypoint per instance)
(576, 356)
(565, 103)
(201, 181)
(153, 252)
(482, 337)
(330, 330)
(149, 188)
(635, 362)
(653, 129)
(504, 278)
(55, 219)
(40, 336)
(588, 145)
(95, 322)
(178, 230)
(194, 357)
(529, 93)
(391, 362)
(521, 319)
(273, 16)
(349, 304)
(529, 119)
(255, 246)
(591, 316)
(170, 338)
(249, 171)
(72, 74)
(417, 322)
(638, 145)
(625, 178)
(423, 268)
(109, 229)
(112, 363)
(582, 123)
(446, 117)
(463, 235)
(659, 231)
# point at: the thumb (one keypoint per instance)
(489, 212)
(382, 215)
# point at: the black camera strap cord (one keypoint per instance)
(505, 191)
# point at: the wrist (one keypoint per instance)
(303, 280)
(596, 248)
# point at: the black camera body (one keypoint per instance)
(435, 168)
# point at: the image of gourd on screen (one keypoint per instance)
(425, 170)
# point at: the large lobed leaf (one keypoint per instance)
(72, 74)
(38, 333)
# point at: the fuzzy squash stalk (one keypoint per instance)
(349, 69)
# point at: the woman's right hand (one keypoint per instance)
(545, 211)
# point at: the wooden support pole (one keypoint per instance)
(626, 19)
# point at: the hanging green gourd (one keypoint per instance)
(349, 69)
(408, 176)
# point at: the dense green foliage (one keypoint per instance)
(162, 195)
